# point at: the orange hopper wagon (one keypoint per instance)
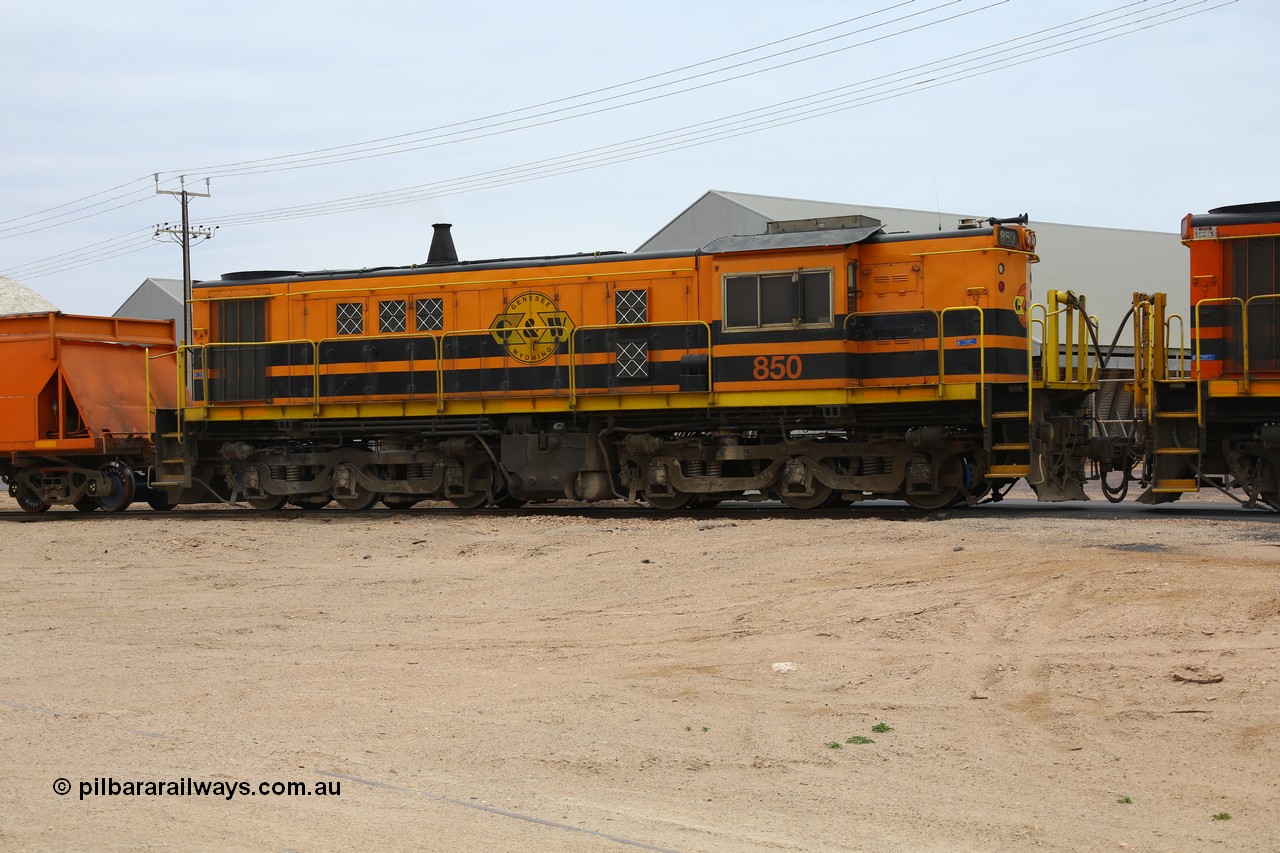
(76, 396)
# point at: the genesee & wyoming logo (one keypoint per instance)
(531, 328)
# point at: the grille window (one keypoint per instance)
(633, 359)
(1255, 272)
(631, 306)
(391, 317)
(350, 318)
(777, 299)
(430, 314)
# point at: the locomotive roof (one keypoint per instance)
(1240, 214)
(818, 239)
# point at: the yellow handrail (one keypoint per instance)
(204, 362)
(982, 352)
(1061, 307)
(1221, 300)
(858, 315)
(422, 336)
(1245, 317)
(573, 373)
(490, 331)
(1182, 341)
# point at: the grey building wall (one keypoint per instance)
(1106, 265)
(155, 299)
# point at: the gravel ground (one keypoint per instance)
(1078, 679)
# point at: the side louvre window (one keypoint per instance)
(801, 298)
(391, 316)
(350, 318)
(430, 314)
(631, 306)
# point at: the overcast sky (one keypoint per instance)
(471, 112)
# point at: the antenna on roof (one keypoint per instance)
(937, 200)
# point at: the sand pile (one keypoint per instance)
(17, 299)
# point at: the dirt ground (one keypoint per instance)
(1072, 679)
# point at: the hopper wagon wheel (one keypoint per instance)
(88, 503)
(266, 503)
(29, 501)
(120, 477)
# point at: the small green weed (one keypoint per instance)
(1222, 816)
(1125, 800)
(859, 739)
(881, 728)
(835, 744)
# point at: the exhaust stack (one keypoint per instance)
(442, 250)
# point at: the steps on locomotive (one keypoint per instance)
(1175, 442)
(171, 467)
(1009, 435)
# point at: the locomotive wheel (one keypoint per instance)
(822, 497)
(471, 500)
(506, 500)
(266, 503)
(399, 501)
(362, 499)
(122, 488)
(88, 503)
(673, 502)
(502, 497)
(159, 501)
(29, 501)
(947, 495)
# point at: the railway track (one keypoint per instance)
(1011, 507)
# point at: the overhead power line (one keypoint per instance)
(471, 130)
(1041, 44)
(77, 210)
(1119, 21)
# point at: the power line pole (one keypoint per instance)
(184, 234)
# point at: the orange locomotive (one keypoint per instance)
(1211, 416)
(75, 424)
(823, 361)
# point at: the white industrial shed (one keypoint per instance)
(1106, 265)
